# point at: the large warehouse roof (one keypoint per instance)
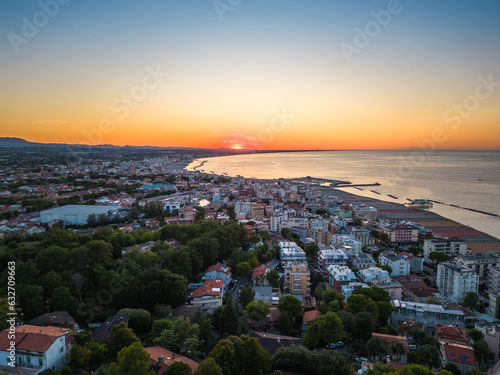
(75, 209)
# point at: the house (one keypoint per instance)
(218, 271)
(393, 338)
(259, 275)
(162, 358)
(460, 355)
(308, 316)
(391, 286)
(36, 349)
(272, 343)
(209, 296)
(361, 261)
(339, 276)
(450, 334)
(416, 263)
(366, 275)
(55, 319)
(399, 265)
(102, 333)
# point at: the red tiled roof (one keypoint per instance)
(33, 342)
(258, 271)
(460, 354)
(310, 315)
(393, 338)
(212, 287)
(219, 267)
(168, 358)
(449, 333)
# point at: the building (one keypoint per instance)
(209, 296)
(77, 214)
(290, 251)
(366, 275)
(450, 334)
(245, 207)
(162, 358)
(426, 314)
(345, 240)
(399, 265)
(348, 289)
(297, 277)
(361, 261)
(56, 319)
(454, 281)
(259, 276)
(102, 333)
(494, 280)
(451, 247)
(364, 236)
(189, 213)
(340, 275)
(416, 263)
(391, 286)
(366, 212)
(321, 236)
(275, 221)
(218, 271)
(460, 355)
(402, 233)
(479, 263)
(36, 349)
(258, 212)
(328, 256)
(492, 338)
(318, 224)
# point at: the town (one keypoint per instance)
(136, 258)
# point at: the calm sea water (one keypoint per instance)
(465, 178)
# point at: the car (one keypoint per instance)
(362, 353)
(340, 343)
(361, 359)
(412, 347)
(332, 345)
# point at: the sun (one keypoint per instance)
(236, 147)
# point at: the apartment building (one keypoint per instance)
(368, 274)
(321, 236)
(451, 246)
(479, 263)
(426, 314)
(402, 233)
(361, 261)
(297, 277)
(209, 296)
(339, 276)
(329, 255)
(290, 251)
(399, 265)
(454, 281)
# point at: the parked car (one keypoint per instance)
(340, 343)
(332, 345)
(362, 353)
(412, 347)
(361, 359)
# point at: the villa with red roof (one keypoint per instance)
(218, 271)
(162, 358)
(259, 275)
(209, 296)
(460, 355)
(451, 334)
(36, 349)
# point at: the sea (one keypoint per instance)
(464, 178)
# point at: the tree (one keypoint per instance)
(241, 355)
(438, 257)
(31, 299)
(385, 310)
(132, 360)
(285, 324)
(181, 337)
(428, 356)
(481, 350)
(209, 367)
(140, 319)
(121, 337)
(291, 305)
(273, 277)
(62, 299)
(228, 322)
(258, 310)
(453, 368)
(178, 368)
(311, 251)
(359, 303)
(377, 347)
(246, 296)
(324, 330)
(243, 269)
(380, 368)
(348, 320)
(364, 325)
(330, 295)
(475, 334)
(471, 300)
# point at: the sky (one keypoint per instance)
(253, 74)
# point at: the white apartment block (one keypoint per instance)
(454, 281)
(452, 246)
(290, 251)
(275, 220)
(328, 255)
(479, 263)
(368, 274)
(318, 224)
(425, 313)
(400, 266)
(345, 240)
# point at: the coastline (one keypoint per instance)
(478, 241)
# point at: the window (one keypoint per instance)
(40, 361)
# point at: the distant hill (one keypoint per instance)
(17, 142)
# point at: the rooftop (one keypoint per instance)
(76, 209)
